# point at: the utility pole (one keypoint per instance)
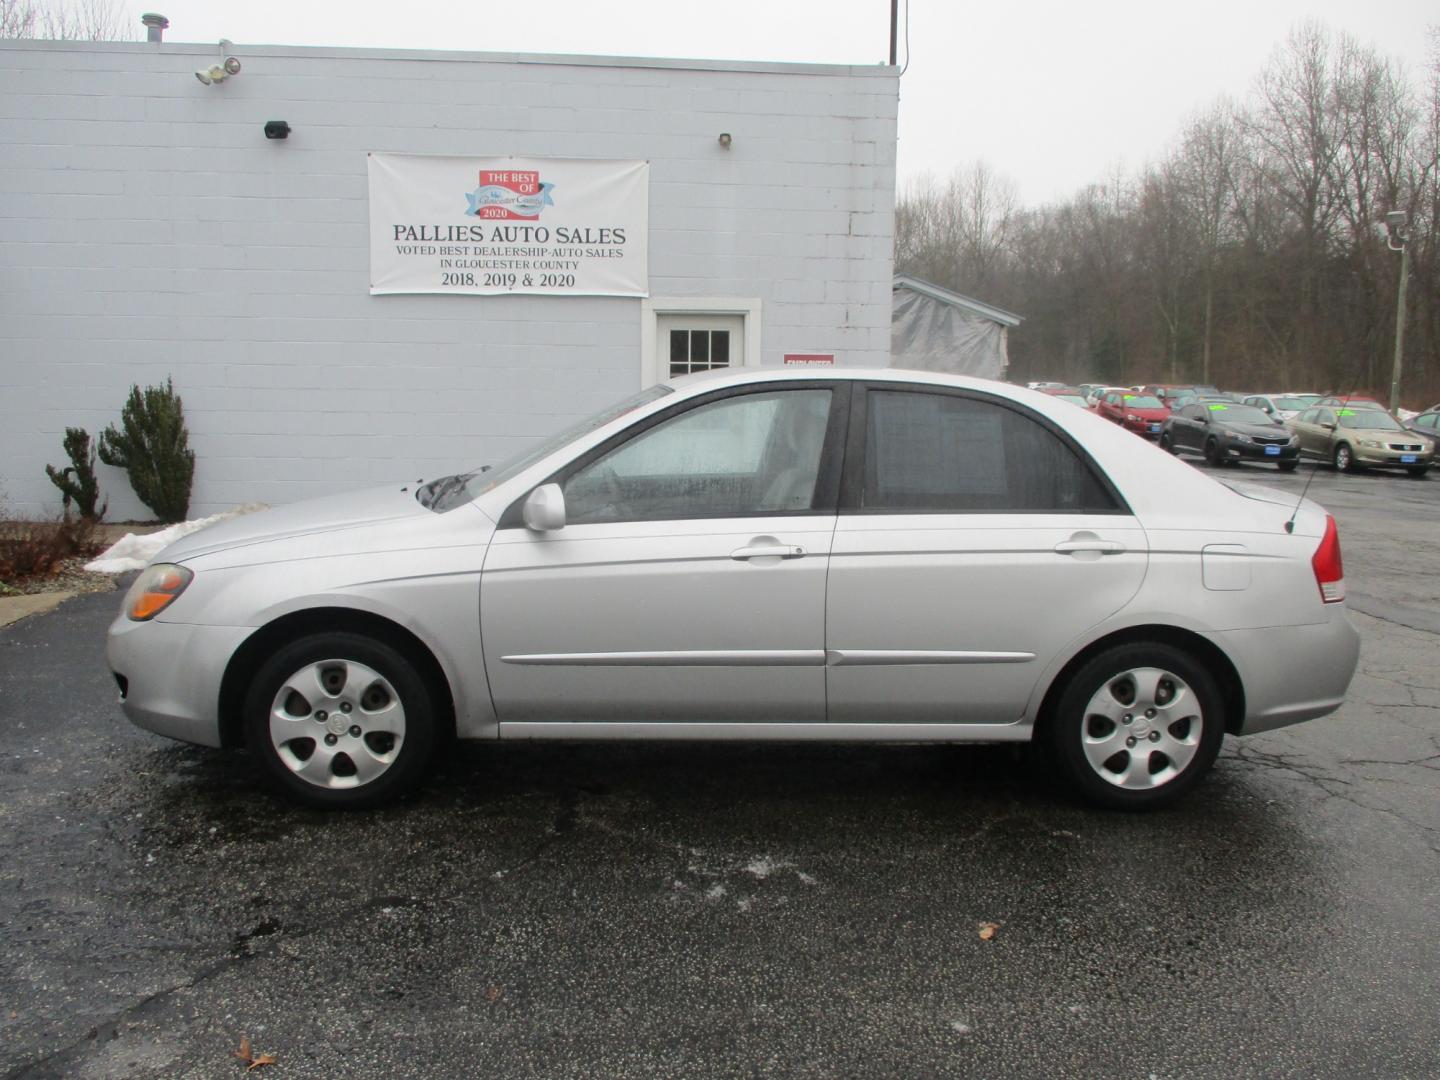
(1398, 239)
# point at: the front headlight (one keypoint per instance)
(1369, 444)
(155, 589)
(1292, 440)
(1132, 418)
(1235, 436)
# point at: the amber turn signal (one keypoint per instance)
(156, 589)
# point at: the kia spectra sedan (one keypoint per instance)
(877, 556)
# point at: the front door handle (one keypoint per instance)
(772, 551)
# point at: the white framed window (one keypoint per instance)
(687, 334)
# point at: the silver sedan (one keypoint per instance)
(880, 556)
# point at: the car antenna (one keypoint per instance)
(1315, 466)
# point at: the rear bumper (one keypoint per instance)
(1293, 673)
(171, 675)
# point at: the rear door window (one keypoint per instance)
(935, 452)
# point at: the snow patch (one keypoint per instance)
(134, 551)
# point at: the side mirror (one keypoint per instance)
(544, 509)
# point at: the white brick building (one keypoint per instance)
(150, 230)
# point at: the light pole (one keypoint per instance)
(1397, 238)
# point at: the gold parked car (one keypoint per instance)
(1361, 438)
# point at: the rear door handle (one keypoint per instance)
(1104, 547)
(761, 551)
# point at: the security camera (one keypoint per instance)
(1396, 219)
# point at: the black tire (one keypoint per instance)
(1072, 726)
(1286, 466)
(1213, 455)
(380, 681)
(1418, 472)
(1166, 444)
(1344, 458)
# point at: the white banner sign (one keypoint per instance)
(551, 226)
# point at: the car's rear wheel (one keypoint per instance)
(1137, 726)
(1344, 458)
(341, 720)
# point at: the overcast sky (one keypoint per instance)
(1053, 94)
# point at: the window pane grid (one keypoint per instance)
(698, 350)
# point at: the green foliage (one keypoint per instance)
(77, 483)
(153, 447)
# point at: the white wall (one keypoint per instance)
(149, 229)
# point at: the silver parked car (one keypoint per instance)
(879, 556)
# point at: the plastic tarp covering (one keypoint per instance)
(934, 336)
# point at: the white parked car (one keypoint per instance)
(882, 556)
(1282, 406)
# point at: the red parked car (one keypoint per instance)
(1141, 413)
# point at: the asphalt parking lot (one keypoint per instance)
(610, 911)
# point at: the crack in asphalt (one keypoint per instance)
(1277, 762)
(1394, 612)
(62, 1062)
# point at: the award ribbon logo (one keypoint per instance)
(509, 196)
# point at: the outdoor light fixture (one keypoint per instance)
(725, 139)
(219, 72)
(277, 129)
(216, 73)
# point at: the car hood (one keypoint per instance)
(1381, 434)
(1264, 431)
(329, 514)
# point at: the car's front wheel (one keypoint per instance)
(341, 720)
(1344, 458)
(1137, 726)
(1287, 466)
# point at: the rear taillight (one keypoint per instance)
(1329, 574)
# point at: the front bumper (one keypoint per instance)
(1371, 458)
(1293, 673)
(1237, 451)
(1146, 429)
(171, 675)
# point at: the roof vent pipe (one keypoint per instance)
(155, 26)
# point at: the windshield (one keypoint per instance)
(1073, 399)
(1295, 404)
(1142, 401)
(449, 492)
(1367, 420)
(1239, 414)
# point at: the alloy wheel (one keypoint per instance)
(337, 724)
(1142, 728)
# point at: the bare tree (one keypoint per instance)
(1248, 255)
(65, 20)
